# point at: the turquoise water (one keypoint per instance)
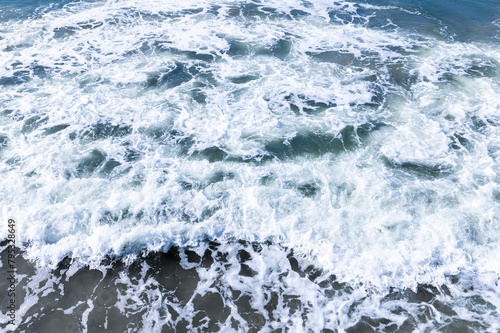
(305, 166)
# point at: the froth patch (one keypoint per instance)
(422, 142)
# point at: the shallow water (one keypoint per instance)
(238, 166)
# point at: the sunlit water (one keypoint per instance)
(263, 166)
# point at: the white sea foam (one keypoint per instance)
(411, 202)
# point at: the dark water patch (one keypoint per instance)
(31, 174)
(4, 141)
(211, 306)
(24, 73)
(199, 56)
(137, 180)
(251, 316)
(17, 78)
(418, 169)
(33, 123)
(132, 155)
(281, 48)
(308, 190)
(159, 132)
(90, 85)
(460, 142)
(479, 305)
(54, 129)
(234, 11)
(130, 15)
(364, 131)
(479, 124)
(199, 95)
(17, 47)
(238, 94)
(379, 96)
(462, 326)
(109, 166)
(90, 24)
(362, 326)
(220, 176)
(40, 71)
(399, 18)
(237, 48)
(249, 10)
(81, 284)
(463, 21)
(496, 195)
(424, 294)
(64, 32)
(13, 161)
(301, 104)
(267, 179)
(313, 273)
(294, 264)
(206, 78)
(149, 47)
(170, 276)
(186, 213)
(400, 75)
(317, 144)
(183, 144)
(332, 287)
(163, 14)
(475, 68)
(212, 154)
(172, 77)
(367, 59)
(22, 10)
(213, 9)
(9, 112)
(243, 256)
(479, 66)
(298, 14)
(242, 78)
(445, 309)
(337, 57)
(103, 130)
(90, 163)
(406, 50)
(258, 159)
(192, 256)
(159, 46)
(191, 11)
(108, 217)
(305, 144)
(340, 16)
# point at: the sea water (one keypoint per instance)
(264, 166)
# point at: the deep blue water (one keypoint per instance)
(20, 10)
(463, 20)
